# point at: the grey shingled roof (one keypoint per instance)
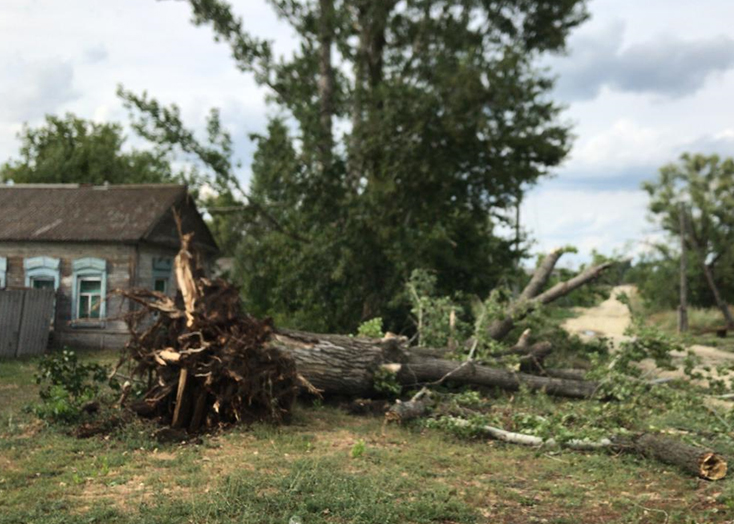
(84, 213)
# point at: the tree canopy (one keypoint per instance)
(407, 129)
(73, 150)
(702, 188)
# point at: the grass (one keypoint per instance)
(309, 472)
(701, 323)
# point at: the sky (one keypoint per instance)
(641, 83)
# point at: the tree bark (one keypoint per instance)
(683, 307)
(700, 462)
(421, 370)
(326, 80)
(344, 365)
(404, 411)
(541, 275)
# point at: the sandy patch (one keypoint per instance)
(611, 318)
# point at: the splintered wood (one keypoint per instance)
(205, 360)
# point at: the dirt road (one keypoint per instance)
(611, 318)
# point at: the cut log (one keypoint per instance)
(697, 461)
(341, 365)
(404, 411)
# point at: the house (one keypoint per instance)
(84, 241)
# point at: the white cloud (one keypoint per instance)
(666, 65)
(605, 221)
(34, 88)
(626, 142)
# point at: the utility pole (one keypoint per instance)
(683, 307)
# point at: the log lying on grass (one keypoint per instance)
(405, 411)
(703, 463)
(343, 365)
(700, 462)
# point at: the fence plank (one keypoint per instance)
(38, 310)
(11, 309)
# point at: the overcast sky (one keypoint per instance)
(643, 81)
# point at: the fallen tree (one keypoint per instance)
(337, 364)
(531, 297)
(700, 462)
(208, 363)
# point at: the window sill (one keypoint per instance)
(88, 324)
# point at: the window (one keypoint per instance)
(90, 298)
(3, 271)
(161, 285)
(162, 273)
(90, 288)
(42, 272)
(42, 283)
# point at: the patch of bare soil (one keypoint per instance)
(611, 318)
(128, 495)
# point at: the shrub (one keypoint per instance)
(66, 385)
(371, 328)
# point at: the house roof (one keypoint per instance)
(86, 213)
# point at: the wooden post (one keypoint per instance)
(683, 307)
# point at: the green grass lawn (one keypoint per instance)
(307, 472)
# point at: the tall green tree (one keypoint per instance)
(73, 150)
(702, 187)
(415, 124)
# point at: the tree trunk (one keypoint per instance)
(720, 302)
(708, 273)
(326, 81)
(420, 370)
(345, 365)
(700, 462)
(541, 275)
(683, 307)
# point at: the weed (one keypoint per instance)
(358, 449)
(371, 328)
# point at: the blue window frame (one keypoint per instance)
(3, 271)
(89, 288)
(162, 267)
(42, 272)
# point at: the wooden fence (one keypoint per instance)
(25, 321)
